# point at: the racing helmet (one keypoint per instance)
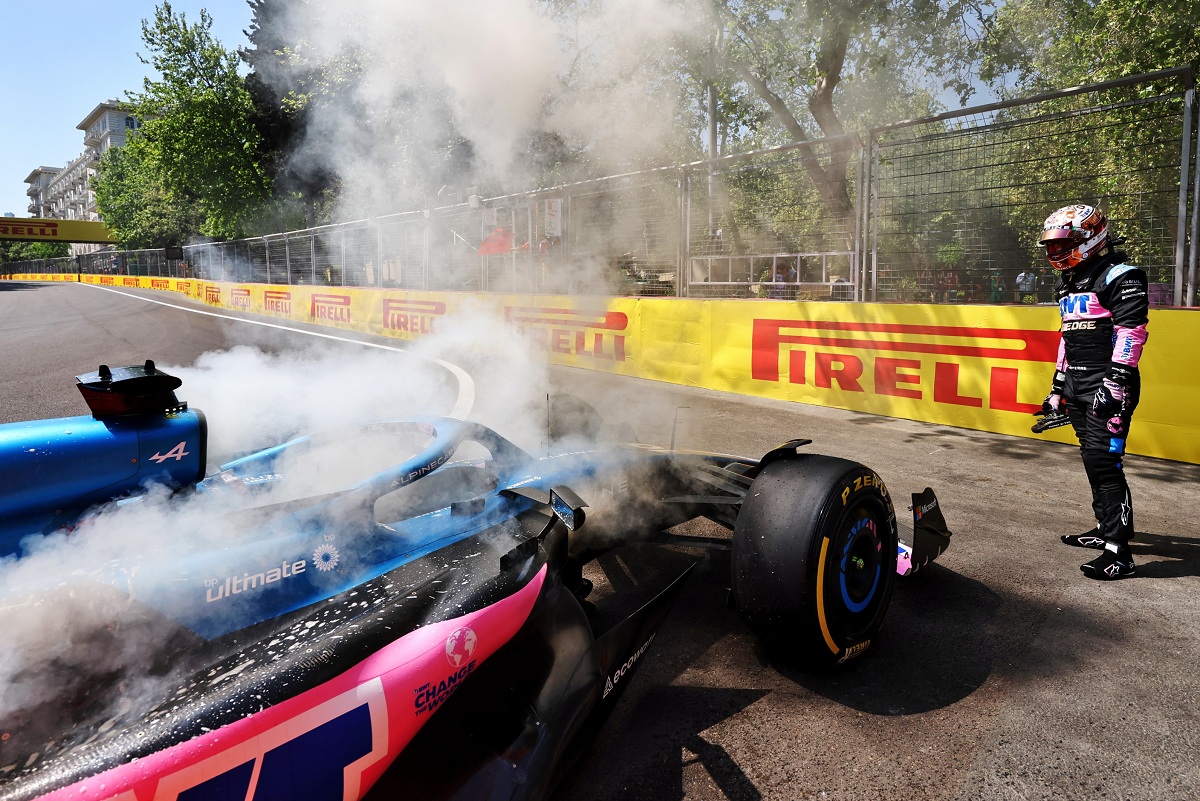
(1072, 235)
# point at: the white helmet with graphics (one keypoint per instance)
(1072, 235)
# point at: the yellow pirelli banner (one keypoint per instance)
(32, 229)
(979, 367)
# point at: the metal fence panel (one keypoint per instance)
(959, 199)
(759, 225)
(944, 209)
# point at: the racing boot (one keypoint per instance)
(1088, 539)
(1114, 563)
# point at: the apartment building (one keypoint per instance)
(65, 193)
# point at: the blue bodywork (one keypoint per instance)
(53, 470)
(255, 586)
(257, 559)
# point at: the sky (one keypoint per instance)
(61, 59)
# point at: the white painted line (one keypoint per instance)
(466, 385)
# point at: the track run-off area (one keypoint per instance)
(1001, 672)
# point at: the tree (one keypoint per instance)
(797, 56)
(1033, 46)
(199, 137)
(16, 250)
(282, 112)
(135, 204)
(1129, 163)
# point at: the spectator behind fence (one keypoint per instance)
(998, 289)
(1026, 285)
(1045, 286)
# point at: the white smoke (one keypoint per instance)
(401, 81)
(59, 608)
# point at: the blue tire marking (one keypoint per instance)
(853, 607)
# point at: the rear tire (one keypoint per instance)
(814, 557)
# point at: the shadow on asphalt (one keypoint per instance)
(662, 740)
(1177, 555)
(937, 646)
(16, 286)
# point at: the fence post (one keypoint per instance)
(1189, 98)
(378, 254)
(684, 237)
(873, 218)
(425, 251)
(1189, 298)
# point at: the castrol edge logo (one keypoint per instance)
(334, 308)
(411, 316)
(598, 335)
(852, 356)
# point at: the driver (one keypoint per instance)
(1104, 303)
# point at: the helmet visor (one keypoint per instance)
(1057, 249)
(1068, 235)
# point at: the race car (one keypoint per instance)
(401, 609)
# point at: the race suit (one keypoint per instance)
(1104, 307)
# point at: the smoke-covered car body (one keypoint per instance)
(424, 630)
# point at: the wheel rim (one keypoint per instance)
(856, 568)
(861, 565)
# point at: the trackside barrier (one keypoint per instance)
(978, 367)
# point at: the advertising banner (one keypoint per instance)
(38, 230)
(979, 367)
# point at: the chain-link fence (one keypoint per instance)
(944, 209)
(779, 223)
(958, 199)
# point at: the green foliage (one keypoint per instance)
(13, 251)
(199, 140)
(136, 205)
(1039, 45)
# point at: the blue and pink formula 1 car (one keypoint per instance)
(422, 628)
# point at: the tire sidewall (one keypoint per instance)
(806, 524)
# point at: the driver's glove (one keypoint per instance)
(1110, 401)
(1054, 400)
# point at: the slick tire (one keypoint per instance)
(814, 558)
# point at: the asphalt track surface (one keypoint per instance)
(1001, 672)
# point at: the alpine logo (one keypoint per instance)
(611, 682)
(177, 453)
